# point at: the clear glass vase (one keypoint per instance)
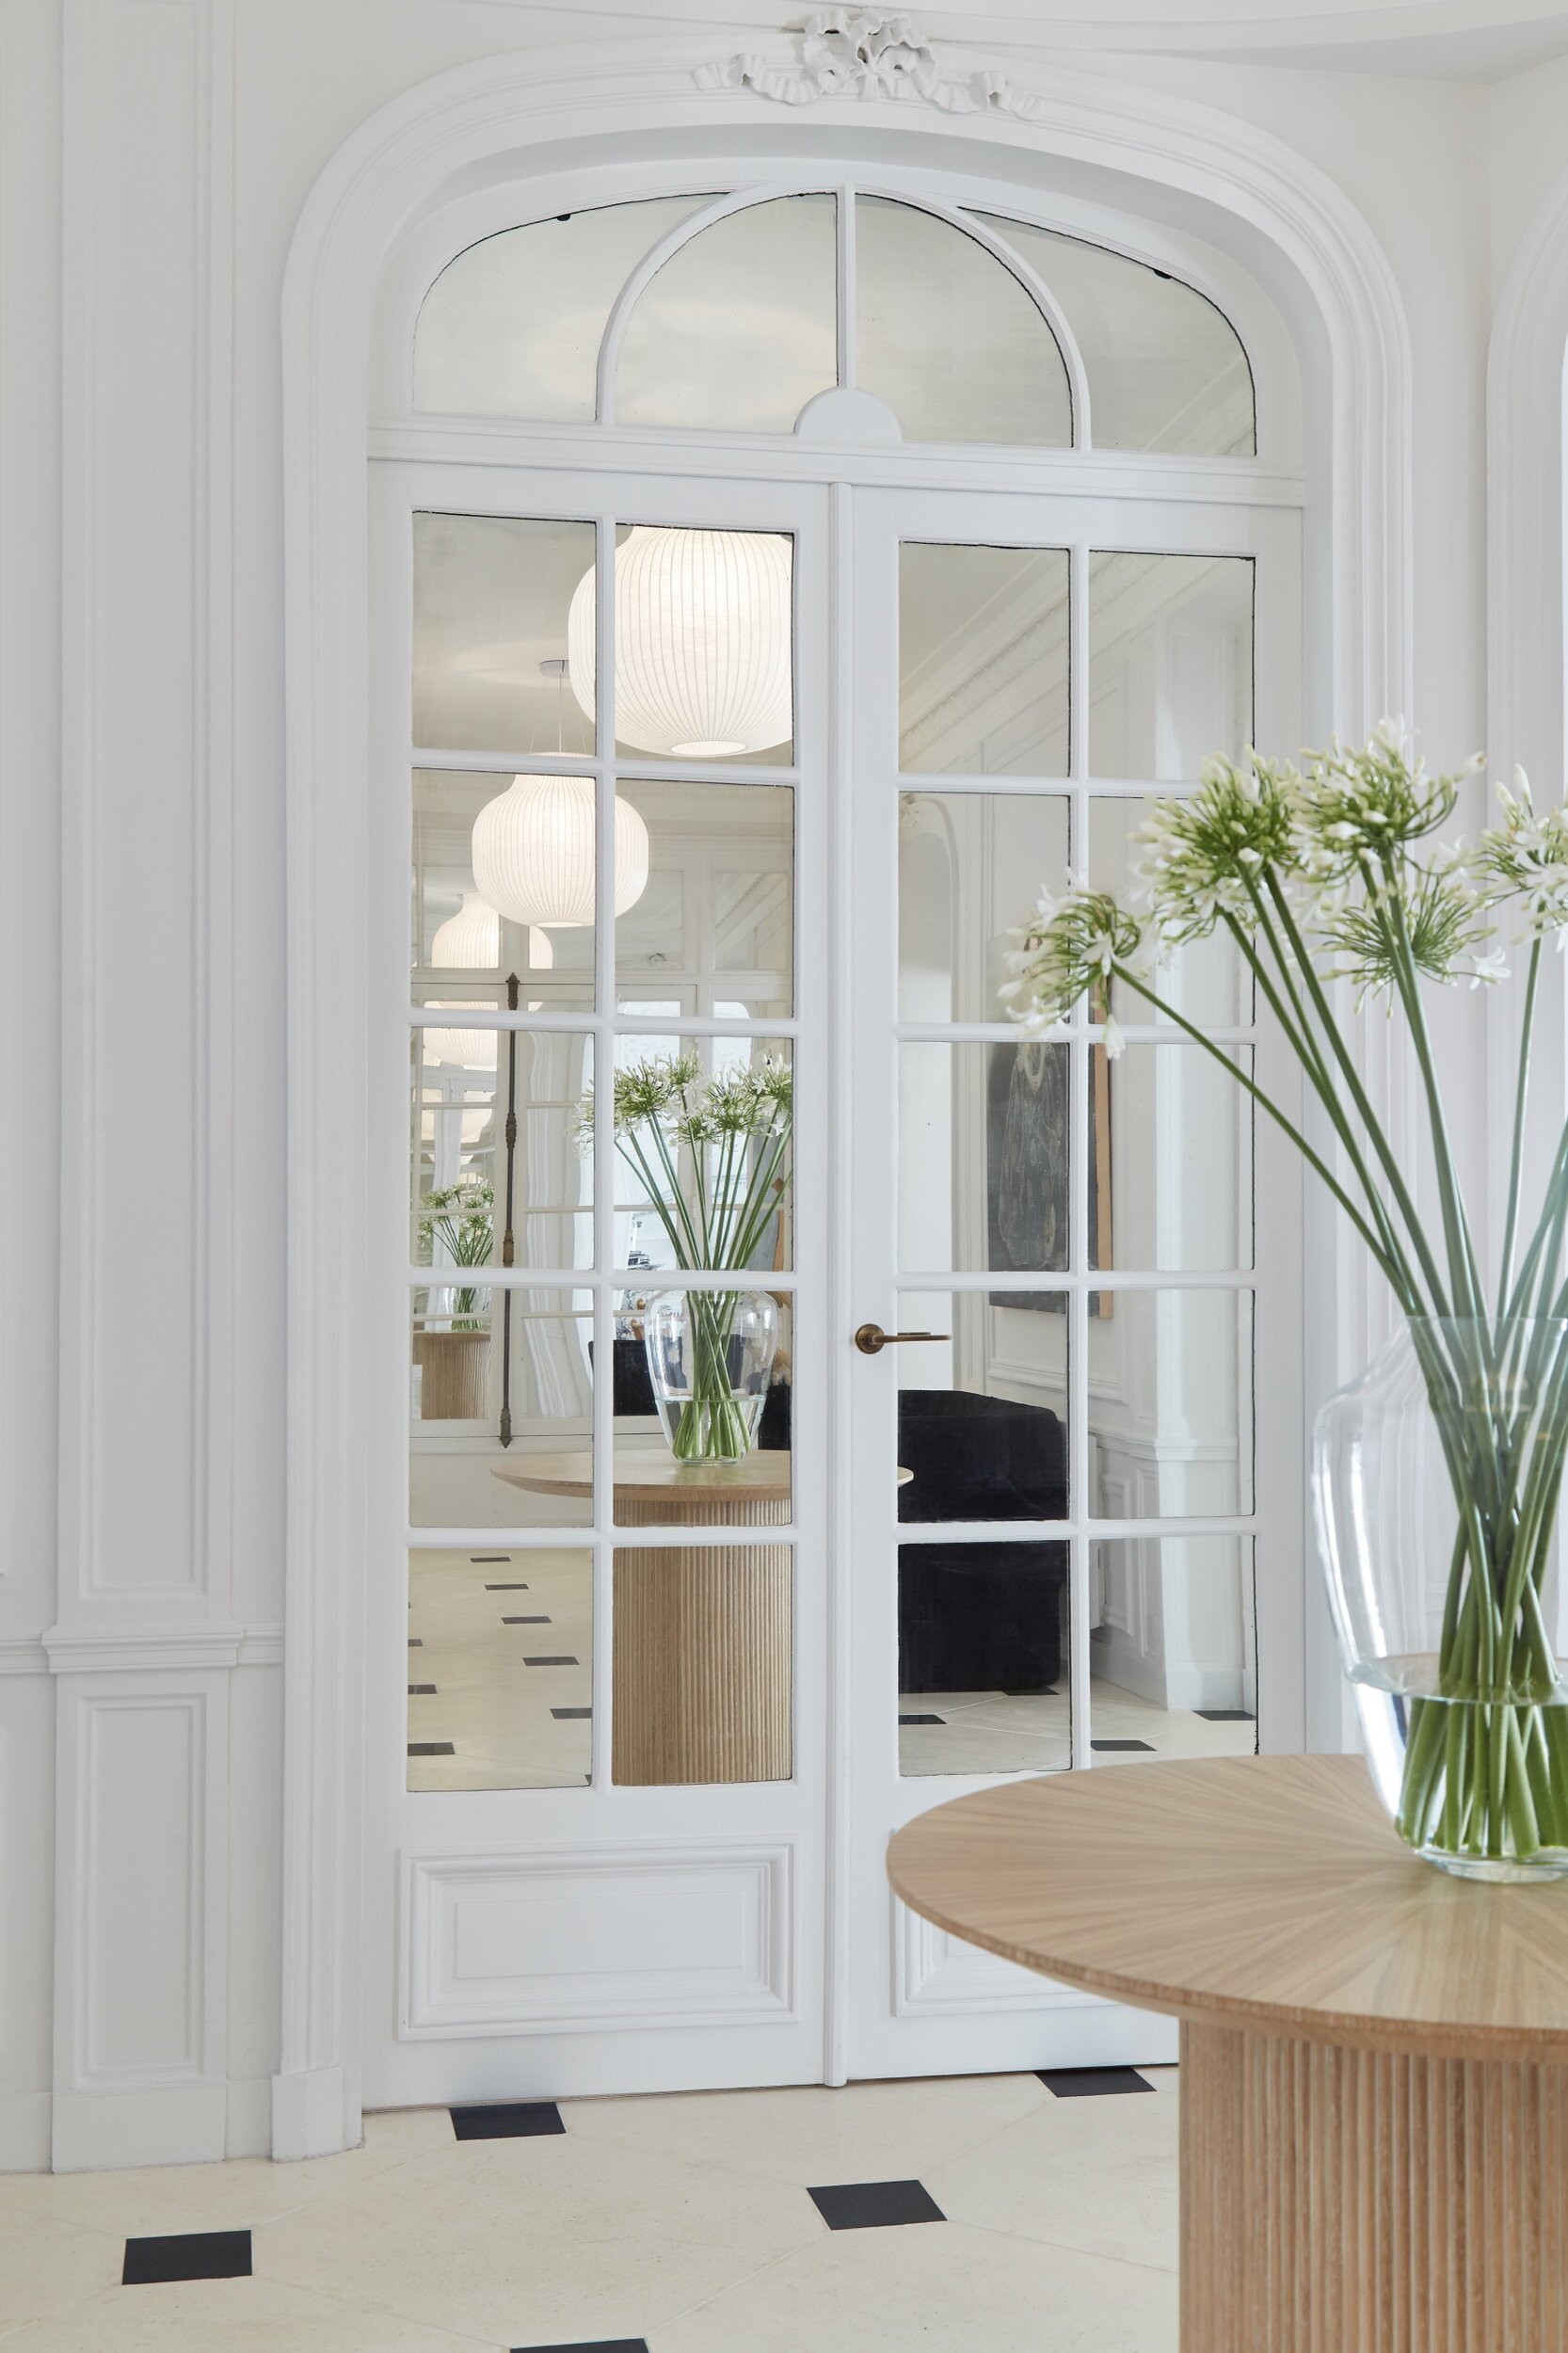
(710, 1359)
(1437, 1477)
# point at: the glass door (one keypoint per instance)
(596, 1728)
(1078, 1264)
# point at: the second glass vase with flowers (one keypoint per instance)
(712, 1154)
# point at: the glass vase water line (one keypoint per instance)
(1437, 1479)
(710, 1360)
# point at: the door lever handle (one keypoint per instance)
(871, 1339)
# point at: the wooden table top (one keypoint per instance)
(645, 1469)
(1269, 1892)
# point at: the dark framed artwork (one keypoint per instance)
(1027, 1144)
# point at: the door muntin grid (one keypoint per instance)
(1102, 1347)
(700, 961)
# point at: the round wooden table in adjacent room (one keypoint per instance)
(1374, 2055)
(700, 1672)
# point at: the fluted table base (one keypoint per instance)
(1362, 2201)
(701, 1646)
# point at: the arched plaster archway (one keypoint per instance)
(502, 116)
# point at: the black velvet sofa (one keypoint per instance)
(980, 1617)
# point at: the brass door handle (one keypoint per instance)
(871, 1339)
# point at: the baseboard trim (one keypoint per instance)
(97, 2131)
(249, 2133)
(24, 2132)
(309, 2118)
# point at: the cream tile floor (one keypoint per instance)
(684, 2220)
(499, 1714)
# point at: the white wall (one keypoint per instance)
(156, 154)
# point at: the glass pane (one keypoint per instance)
(512, 327)
(714, 929)
(703, 1160)
(1170, 663)
(502, 883)
(982, 1408)
(702, 1659)
(985, 1675)
(948, 338)
(983, 660)
(501, 1649)
(1180, 1134)
(466, 1384)
(1172, 1648)
(1171, 1403)
(492, 596)
(740, 328)
(984, 1147)
(971, 866)
(703, 644)
(461, 1163)
(1166, 369)
(1206, 979)
(686, 1364)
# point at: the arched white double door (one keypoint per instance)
(639, 1729)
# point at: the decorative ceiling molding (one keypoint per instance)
(868, 53)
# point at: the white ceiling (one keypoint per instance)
(1471, 39)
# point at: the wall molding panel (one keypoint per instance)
(141, 1864)
(144, 1643)
(499, 1943)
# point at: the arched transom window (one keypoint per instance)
(737, 312)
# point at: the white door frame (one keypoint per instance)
(437, 1864)
(922, 2002)
(1172, 159)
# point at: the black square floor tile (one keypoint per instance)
(505, 1589)
(598, 2344)
(1091, 2083)
(507, 2119)
(923, 1719)
(187, 2255)
(525, 1621)
(490, 1559)
(1145, 1748)
(1224, 1715)
(569, 1715)
(431, 1748)
(415, 1642)
(875, 2205)
(542, 1658)
(422, 1690)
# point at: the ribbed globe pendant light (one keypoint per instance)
(470, 941)
(702, 642)
(534, 851)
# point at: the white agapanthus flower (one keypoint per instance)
(1068, 949)
(1524, 861)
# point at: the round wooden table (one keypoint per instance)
(1375, 2086)
(700, 1666)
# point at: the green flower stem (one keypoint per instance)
(1463, 1272)
(1297, 1026)
(1358, 1095)
(1520, 1100)
(1313, 1159)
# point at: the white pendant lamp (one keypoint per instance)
(534, 851)
(702, 642)
(466, 1050)
(470, 941)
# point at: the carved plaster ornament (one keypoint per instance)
(867, 53)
